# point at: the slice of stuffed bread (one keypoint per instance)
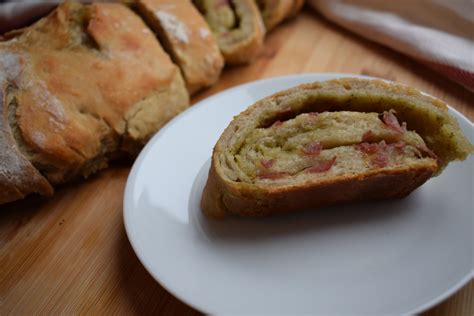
(238, 27)
(327, 143)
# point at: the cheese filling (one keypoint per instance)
(313, 145)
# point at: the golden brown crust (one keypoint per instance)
(212, 197)
(188, 39)
(225, 194)
(18, 177)
(97, 84)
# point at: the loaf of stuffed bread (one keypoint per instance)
(330, 142)
(238, 27)
(80, 87)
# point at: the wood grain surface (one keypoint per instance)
(70, 254)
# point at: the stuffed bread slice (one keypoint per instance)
(330, 142)
(78, 88)
(187, 37)
(275, 11)
(238, 26)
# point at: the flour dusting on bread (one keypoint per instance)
(10, 66)
(186, 37)
(204, 33)
(38, 138)
(173, 26)
(50, 102)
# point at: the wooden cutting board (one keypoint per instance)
(70, 254)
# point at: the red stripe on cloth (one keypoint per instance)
(461, 76)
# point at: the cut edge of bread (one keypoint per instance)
(274, 13)
(245, 49)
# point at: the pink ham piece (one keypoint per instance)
(313, 149)
(380, 159)
(322, 166)
(391, 121)
(368, 148)
(266, 173)
(399, 146)
(221, 3)
(377, 151)
(277, 124)
(267, 164)
(368, 136)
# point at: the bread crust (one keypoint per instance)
(18, 177)
(85, 84)
(188, 39)
(224, 194)
(221, 198)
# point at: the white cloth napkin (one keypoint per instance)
(438, 33)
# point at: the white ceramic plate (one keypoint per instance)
(381, 258)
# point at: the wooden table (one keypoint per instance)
(70, 254)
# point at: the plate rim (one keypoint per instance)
(131, 180)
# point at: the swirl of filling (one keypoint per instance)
(237, 25)
(329, 143)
